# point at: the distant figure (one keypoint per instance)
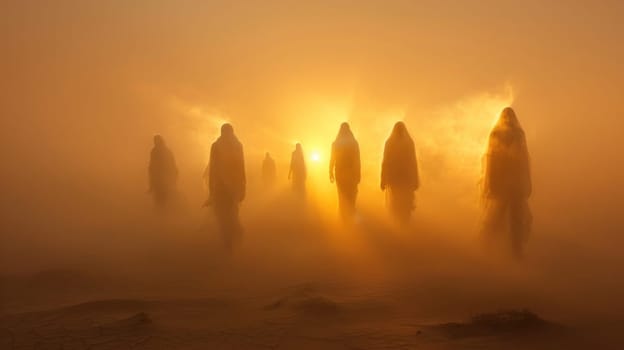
(297, 172)
(506, 184)
(399, 172)
(226, 183)
(269, 172)
(344, 168)
(163, 173)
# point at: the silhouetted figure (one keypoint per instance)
(269, 172)
(227, 183)
(163, 173)
(344, 168)
(297, 172)
(506, 183)
(399, 172)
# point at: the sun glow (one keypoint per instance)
(315, 157)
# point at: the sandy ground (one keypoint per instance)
(302, 317)
(299, 281)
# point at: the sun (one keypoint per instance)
(315, 157)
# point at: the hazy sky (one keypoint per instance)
(85, 84)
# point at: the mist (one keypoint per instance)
(86, 85)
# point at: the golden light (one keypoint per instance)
(315, 156)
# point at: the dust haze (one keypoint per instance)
(86, 85)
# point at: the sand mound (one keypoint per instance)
(59, 330)
(127, 324)
(108, 306)
(306, 299)
(499, 323)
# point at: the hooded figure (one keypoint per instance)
(506, 183)
(163, 173)
(344, 168)
(268, 171)
(399, 172)
(297, 171)
(226, 182)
